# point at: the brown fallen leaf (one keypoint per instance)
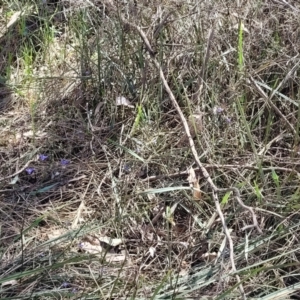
(196, 191)
(194, 184)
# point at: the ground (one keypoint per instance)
(149, 149)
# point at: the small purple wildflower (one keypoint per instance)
(228, 120)
(219, 110)
(138, 149)
(30, 171)
(127, 168)
(65, 285)
(64, 162)
(43, 157)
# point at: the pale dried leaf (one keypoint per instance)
(110, 241)
(9, 283)
(122, 101)
(29, 134)
(183, 272)
(209, 256)
(184, 268)
(192, 176)
(78, 218)
(196, 191)
(152, 251)
(113, 257)
(55, 233)
(89, 248)
(169, 214)
(236, 26)
(195, 124)
(14, 18)
(159, 241)
(151, 197)
(14, 180)
(194, 183)
(173, 208)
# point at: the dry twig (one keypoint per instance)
(215, 189)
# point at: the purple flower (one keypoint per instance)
(43, 157)
(30, 171)
(64, 162)
(127, 168)
(138, 149)
(219, 110)
(228, 120)
(65, 285)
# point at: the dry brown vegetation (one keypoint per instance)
(103, 195)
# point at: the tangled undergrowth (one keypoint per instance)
(101, 193)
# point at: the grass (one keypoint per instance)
(100, 194)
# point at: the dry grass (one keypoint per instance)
(112, 212)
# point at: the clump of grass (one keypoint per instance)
(95, 196)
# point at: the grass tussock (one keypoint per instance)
(100, 194)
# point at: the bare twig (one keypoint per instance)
(191, 141)
(215, 189)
